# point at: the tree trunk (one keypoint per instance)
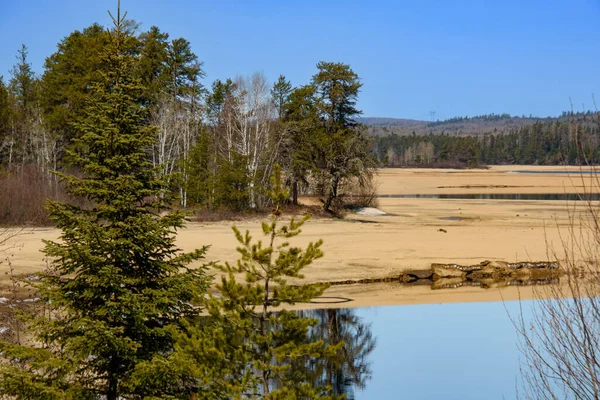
(113, 392)
(295, 192)
(335, 180)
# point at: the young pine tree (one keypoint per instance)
(120, 287)
(248, 346)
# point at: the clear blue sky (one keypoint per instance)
(454, 57)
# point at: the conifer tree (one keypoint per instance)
(67, 78)
(301, 121)
(5, 111)
(280, 94)
(343, 148)
(248, 347)
(119, 285)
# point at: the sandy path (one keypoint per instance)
(367, 247)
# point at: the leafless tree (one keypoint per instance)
(249, 130)
(560, 342)
(178, 124)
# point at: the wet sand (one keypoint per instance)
(411, 237)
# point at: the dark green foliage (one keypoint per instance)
(548, 143)
(183, 70)
(301, 120)
(118, 287)
(5, 111)
(217, 101)
(232, 182)
(337, 88)
(68, 75)
(280, 93)
(153, 58)
(341, 148)
(22, 82)
(201, 182)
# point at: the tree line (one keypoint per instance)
(218, 142)
(544, 143)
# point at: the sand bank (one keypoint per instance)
(413, 234)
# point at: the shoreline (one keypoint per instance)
(414, 233)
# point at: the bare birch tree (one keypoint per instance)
(251, 119)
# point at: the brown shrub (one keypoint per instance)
(24, 193)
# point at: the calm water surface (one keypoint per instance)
(499, 196)
(440, 351)
(538, 172)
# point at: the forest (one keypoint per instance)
(570, 140)
(218, 142)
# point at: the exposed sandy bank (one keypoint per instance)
(377, 246)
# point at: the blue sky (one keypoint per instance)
(463, 57)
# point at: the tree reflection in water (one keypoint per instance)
(350, 368)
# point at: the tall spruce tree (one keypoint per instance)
(119, 286)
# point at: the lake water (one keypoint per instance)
(538, 172)
(498, 196)
(440, 351)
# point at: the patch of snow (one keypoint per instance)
(3, 300)
(4, 329)
(32, 300)
(370, 212)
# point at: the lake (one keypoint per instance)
(499, 196)
(436, 351)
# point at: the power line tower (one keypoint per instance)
(432, 114)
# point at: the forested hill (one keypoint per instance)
(570, 138)
(461, 126)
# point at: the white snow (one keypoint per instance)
(370, 212)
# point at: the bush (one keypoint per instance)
(23, 196)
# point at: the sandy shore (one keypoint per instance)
(409, 237)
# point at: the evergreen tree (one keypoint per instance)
(24, 93)
(22, 81)
(119, 286)
(272, 341)
(343, 150)
(280, 93)
(247, 347)
(153, 58)
(5, 113)
(337, 87)
(183, 73)
(68, 77)
(301, 122)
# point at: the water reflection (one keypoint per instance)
(539, 172)
(350, 368)
(442, 351)
(499, 196)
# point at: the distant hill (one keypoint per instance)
(487, 139)
(460, 126)
(375, 121)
